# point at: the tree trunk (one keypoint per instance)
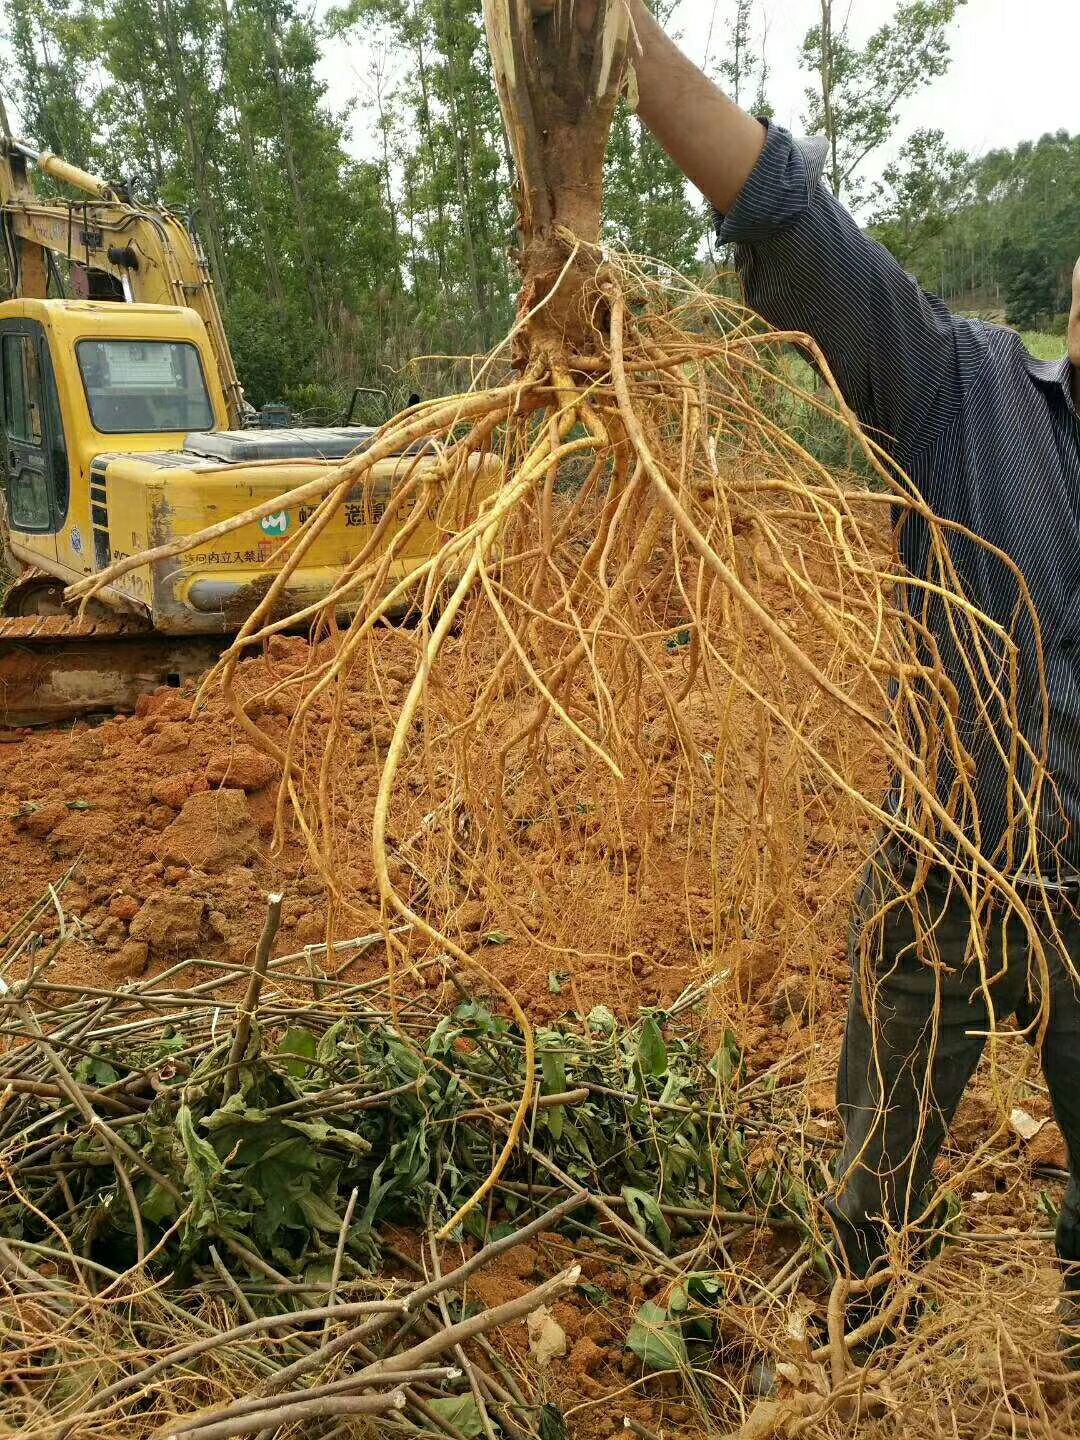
(463, 176)
(558, 90)
(425, 128)
(307, 252)
(827, 94)
(178, 77)
(395, 232)
(274, 289)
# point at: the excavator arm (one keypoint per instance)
(147, 250)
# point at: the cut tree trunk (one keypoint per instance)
(558, 89)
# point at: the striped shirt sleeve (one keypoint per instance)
(900, 358)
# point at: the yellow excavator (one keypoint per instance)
(122, 426)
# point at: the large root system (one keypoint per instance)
(651, 555)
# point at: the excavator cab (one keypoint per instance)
(122, 432)
(81, 380)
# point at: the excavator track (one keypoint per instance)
(55, 668)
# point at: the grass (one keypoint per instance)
(1043, 346)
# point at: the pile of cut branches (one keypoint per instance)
(220, 1160)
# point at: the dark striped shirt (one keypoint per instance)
(989, 436)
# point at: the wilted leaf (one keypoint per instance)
(158, 1206)
(703, 1287)
(299, 1043)
(656, 1339)
(460, 1411)
(92, 1070)
(646, 1214)
(1025, 1125)
(203, 1166)
(322, 1134)
(651, 1050)
(552, 1424)
(601, 1019)
(318, 1213)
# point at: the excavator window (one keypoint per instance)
(139, 387)
(34, 457)
(22, 389)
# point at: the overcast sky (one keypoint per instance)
(1013, 76)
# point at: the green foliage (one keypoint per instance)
(647, 208)
(273, 345)
(272, 1164)
(656, 1339)
(1043, 346)
(918, 193)
(857, 90)
(674, 1335)
(1005, 231)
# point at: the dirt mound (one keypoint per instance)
(164, 802)
(168, 923)
(213, 832)
(243, 767)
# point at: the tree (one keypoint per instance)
(738, 66)
(856, 92)
(49, 57)
(918, 192)
(444, 163)
(997, 234)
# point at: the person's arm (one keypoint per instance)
(714, 143)
(900, 358)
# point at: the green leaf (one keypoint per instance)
(657, 1340)
(318, 1213)
(646, 1214)
(323, 1134)
(705, 1288)
(497, 937)
(326, 1051)
(92, 1070)
(553, 1067)
(722, 1066)
(202, 1169)
(407, 1061)
(556, 980)
(78, 805)
(552, 1423)
(462, 1412)
(301, 1044)
(1048, 1207)
(652, 1055)
(158, 1206)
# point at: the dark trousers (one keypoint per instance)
(917, 1025)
